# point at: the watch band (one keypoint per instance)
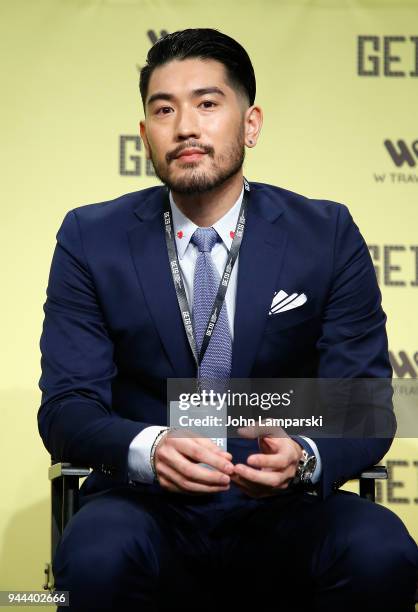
(307, 463)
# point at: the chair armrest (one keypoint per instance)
(59, 469)
(367, 480)
(378, 472)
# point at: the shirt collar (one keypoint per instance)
(184, 227)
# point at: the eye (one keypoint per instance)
(209, 102)
(162, 108)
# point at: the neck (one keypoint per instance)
(204, 209)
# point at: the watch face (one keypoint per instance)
(308, 469)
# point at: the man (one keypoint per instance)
(157, 529)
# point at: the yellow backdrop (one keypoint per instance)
(338, 85)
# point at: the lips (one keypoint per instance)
(190, 155)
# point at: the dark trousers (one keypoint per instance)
(125, 550)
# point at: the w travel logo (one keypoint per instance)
(401, 153)
(402, 156)
(405, 365)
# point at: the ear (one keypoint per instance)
(143, 134)
(253, 123)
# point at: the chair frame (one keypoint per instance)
(65, 479)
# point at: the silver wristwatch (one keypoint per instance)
(305, 469)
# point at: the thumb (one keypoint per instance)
(269, 445)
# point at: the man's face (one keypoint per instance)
(213, 122)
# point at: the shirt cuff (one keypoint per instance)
(139, 460)
(310, 446)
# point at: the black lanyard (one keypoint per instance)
(223, 285)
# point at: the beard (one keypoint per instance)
(192, 179)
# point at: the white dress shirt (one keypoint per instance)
(139, 464)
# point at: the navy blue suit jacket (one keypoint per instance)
(113, 333)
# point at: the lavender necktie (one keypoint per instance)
(216, 363)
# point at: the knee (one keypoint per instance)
(107, 540)
(99, 555)
(92, 577)
(380, 546)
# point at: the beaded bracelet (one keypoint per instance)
(157, 440)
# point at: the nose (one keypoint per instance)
(187, 125)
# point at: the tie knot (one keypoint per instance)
(205, 238)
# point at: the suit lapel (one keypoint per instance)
(260, 262)
(149, 252)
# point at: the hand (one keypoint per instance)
(271, 471)
(176, 460)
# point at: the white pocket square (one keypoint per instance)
(283, 301)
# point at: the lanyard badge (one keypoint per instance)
(223, 285)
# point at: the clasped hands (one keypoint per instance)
(266, 473)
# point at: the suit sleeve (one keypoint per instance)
(75, 419)
(353, 344)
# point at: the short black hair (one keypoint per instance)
(204, 43)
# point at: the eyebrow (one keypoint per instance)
(196, 93)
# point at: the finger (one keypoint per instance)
(185, 485)
(227, 454)
(168, 484)
(273, 444)
(259, 490)
(202, 454)
(286, 483)
(261, 460)
(197, 451)
(192, 471)
(251, 490)
(270, 479)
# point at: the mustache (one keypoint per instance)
(177, 152)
